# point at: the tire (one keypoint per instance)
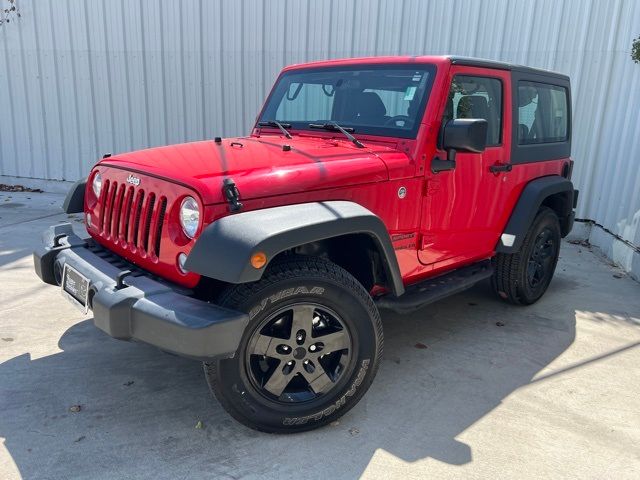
(332, 313)
(522, 278)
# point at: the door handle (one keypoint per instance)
(498, 168)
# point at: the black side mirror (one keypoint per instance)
(461, 134)
(466, 134)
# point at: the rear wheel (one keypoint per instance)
(523, 277)
(309, 353)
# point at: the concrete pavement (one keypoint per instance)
(551, 390)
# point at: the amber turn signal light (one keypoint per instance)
(258, 260)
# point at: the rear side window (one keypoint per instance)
(543, 113)
(476, 97)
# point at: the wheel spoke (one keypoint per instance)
(541, 238)
(319, 381)
(539, 273)
(302, 320)
(333, 341)
(278, 381)
(531, 272)
(546, 251)
(266, 345)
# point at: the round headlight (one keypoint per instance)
(189, 216)
(97, 184)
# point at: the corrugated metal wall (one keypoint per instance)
(80, 78)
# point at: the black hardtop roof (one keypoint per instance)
(481, 62)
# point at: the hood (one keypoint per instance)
(259, 166)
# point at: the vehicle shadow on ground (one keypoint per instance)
(445, 368)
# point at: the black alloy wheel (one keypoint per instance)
(541, 259)
(298, 353)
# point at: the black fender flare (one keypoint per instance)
(74, 201)
(532, 197)
(224, 249)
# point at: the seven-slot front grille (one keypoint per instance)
(132, 218)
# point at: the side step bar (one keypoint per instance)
(437, 288)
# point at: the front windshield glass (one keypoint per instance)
(386, 100)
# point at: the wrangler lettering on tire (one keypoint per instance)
(340, 403)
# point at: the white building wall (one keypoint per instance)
(81, 78)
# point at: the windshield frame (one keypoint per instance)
(380, 131)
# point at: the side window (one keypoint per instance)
(542, 113)
(477, 97)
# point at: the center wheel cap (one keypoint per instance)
(299, 353)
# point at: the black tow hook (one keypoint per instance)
(120, 279)
(232, 195)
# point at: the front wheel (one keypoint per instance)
(309, 353)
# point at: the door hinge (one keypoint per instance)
(431, 186)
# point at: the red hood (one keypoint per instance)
(259, 166)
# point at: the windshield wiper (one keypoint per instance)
(335, 127)
(282, 126)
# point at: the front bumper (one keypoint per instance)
(137, 307)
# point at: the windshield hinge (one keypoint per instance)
(231, 194)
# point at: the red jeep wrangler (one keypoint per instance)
(366, 183)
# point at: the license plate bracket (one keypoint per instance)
(75, 287)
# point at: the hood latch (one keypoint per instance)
(231, 194)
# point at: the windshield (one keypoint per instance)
(387, 100)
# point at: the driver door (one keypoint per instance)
(462, 206)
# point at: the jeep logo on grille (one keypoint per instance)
(133, 180)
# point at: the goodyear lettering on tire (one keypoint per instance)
(283, 294)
